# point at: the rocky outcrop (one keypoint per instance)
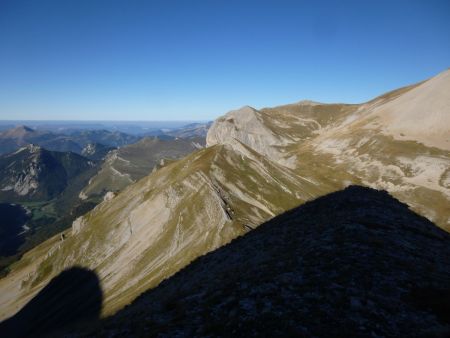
(77, 225)
(96, 151)
(246, 126)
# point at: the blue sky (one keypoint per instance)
(195, 60)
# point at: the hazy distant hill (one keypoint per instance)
(191, 130)
(13, 139)
(105, 137)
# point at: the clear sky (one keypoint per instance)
(188, 60)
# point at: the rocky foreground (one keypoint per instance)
(353, 263)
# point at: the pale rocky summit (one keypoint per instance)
(246, 126)
(399, 142)
(421, 114)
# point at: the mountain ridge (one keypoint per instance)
(258, 164)
(132, 162)
(34, 172)
(352, 140)
(357, 252)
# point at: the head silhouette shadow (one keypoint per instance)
(72, 297)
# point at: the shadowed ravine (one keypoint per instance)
(13, 218)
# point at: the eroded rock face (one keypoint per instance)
(24, 179)
(34, 173)
(245, 126)
(77, 225)
(109, 196)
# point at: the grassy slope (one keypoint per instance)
(161, 223)
(333, 142)
(132, 162)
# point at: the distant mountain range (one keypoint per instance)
(48, 184)
(12, 139)
(191, 130)
(258, 164)
(34, 173)
(76, 140)
(138, 128)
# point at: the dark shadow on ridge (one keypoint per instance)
(353, 263)
(72, 297)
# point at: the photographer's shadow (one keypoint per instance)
(71, 298)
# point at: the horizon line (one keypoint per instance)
(36, 120)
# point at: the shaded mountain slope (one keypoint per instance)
(58, 305)
(353, 263)
(159, 224)
(13, 219)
